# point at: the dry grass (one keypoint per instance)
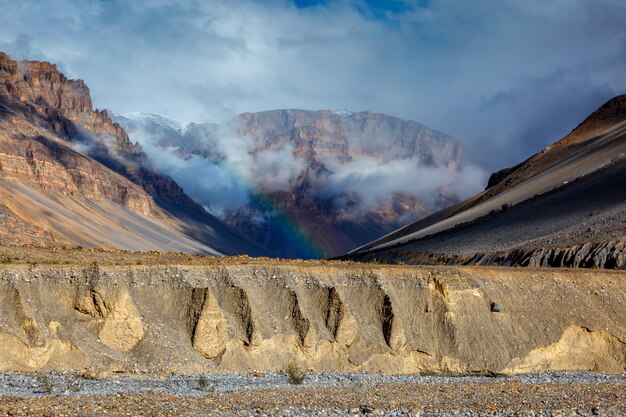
(294, 374)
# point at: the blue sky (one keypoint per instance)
(308, 3)
(377, 8)
(389, 5)
(506, 77)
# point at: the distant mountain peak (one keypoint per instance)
(343, 113)
(314, 182)
(154, 118)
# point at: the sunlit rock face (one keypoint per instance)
(310, 183)
(71, 176)
(239, 315)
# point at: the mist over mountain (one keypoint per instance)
(309, 183)
(292, 183)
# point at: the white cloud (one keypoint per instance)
(441, 65)
(275, 168)
(375, 182)
(220, 184)
(240, 167)
(210, 184)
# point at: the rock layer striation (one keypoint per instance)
(301, 205)
(323, 317)
(70, 176)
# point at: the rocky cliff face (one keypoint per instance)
(37, 131)
(63, 103)
(62, 163)
(348, 135)
(304, 176)
(245, 315)
(607, 255)
(328, 141)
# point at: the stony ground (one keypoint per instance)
(544, 394)
(87, 256)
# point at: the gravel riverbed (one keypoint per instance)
(269, 393)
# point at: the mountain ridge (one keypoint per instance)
(67, 167)
(294, 185)
(568, 195)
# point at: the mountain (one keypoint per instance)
(309, 184)
(564, 206)
(70, 176)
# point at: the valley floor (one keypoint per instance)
(87, 257)
(546, 394)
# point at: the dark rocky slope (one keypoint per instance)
(565, 206)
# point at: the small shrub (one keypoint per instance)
(203, 384)
(44, 383)
(294, 374)
(6, 259)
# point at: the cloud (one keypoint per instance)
(224, 170)
(246, 159)
(564, 97)
(447, 64)
(222, 180)
(209, 183)
(374, 183)
(276, 168)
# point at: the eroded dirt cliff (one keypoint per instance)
(242, 314)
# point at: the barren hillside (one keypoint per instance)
(69, 176)
(571, 195)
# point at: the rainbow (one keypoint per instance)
(295, 233)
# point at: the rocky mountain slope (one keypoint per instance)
(564, 206)
(317, 183)
(70, 176)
